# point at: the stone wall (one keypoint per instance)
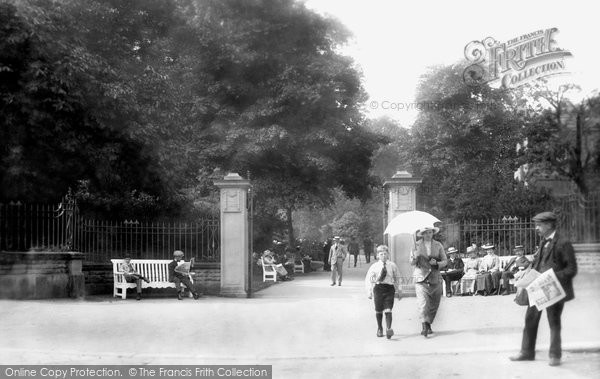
(98, 279)
(209, 278)
(41, 275)
(588, 257)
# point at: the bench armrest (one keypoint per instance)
(119, 277)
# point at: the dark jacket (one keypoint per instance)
(172, 272)
(559, 256)
(423, 270)
(516, 262)
(457, 264)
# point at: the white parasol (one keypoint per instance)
(410, 222)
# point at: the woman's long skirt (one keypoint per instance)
(428, 300)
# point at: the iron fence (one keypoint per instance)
(102, 240)
(503, 233)
(60, 227)
(37, 227)
(578, 220)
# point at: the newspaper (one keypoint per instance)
(529, 277)
(545, 290)
(183, 267)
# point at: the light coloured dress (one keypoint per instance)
(467, 282)
(427, 278)
(485, 281)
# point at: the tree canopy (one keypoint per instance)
(562, 138)
(465, 148)
(141, 102)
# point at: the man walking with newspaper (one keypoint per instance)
(555, 252)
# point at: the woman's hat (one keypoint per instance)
(487, 246)
(470, 249)
(432, 228)
(452, 250)
(178, 253)
(268, 252)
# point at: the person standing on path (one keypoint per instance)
(382, 283)
(326, 248)
(337, 256)
(353, 249)
(368, 248)
(555, 252)
(428, 258)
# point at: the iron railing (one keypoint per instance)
(60, 227)
(503, 233)
(38, 227)
(578, 220)
(102, 240)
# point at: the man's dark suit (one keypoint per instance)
(459, 266)
(557, 254)
(512, 267)
(178, 278)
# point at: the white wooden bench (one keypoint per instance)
(269, 272)
(298, 267)
(155, 270)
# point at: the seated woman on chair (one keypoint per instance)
(487, 282)
(471, 267)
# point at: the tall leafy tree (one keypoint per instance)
(141, 101)
(562, 137)
(279, 102)
(393, 154)
(465, 147)
(71, 101)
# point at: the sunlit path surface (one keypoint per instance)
(295, 326)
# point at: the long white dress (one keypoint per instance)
(467, 282)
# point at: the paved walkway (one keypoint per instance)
(304, 328)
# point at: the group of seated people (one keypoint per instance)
(483, 276)
(284, 265)
(283, 273)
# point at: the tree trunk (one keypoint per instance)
(290, 228)
(578, 169)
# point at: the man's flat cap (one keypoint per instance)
(545, 217)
